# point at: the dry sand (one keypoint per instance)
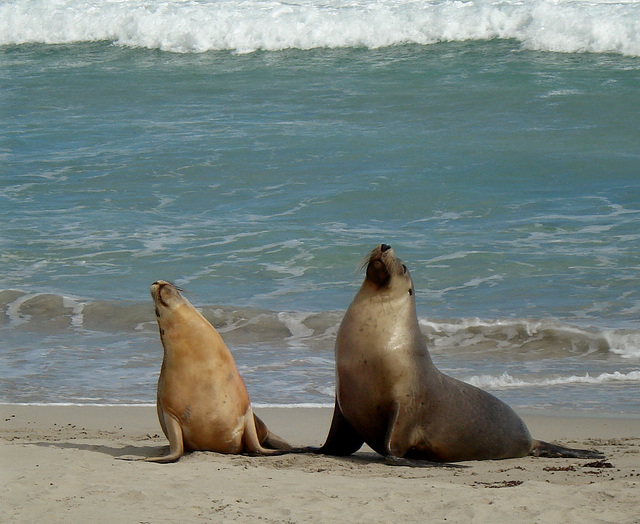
(60, 464)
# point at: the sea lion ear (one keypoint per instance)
(410, 291)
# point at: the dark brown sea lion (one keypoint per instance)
(391, 396)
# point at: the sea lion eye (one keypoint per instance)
(410, 291)
(404, 269)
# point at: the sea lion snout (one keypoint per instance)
(377, 272)
(162, 292)
(378, 265)
(155, 287)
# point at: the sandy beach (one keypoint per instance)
(60, 464)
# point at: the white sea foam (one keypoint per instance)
(623, 343)
(600, 26)
(505, 380)
(77, 315)
(13, 309)
(294, 322)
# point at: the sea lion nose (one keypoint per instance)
(385, 247)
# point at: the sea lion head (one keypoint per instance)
(166, 297)
(386, 271)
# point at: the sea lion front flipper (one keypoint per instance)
(396, 443)
(397, 446)
(173, 431)
(342, 438)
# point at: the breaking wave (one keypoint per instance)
(188, 26)
(537, 339)
(506, 381)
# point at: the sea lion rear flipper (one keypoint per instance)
(173, 430)
(269, 439)
(540, 448)
(250, 438)
(342, 438)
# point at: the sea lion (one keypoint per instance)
(390, 395)
(203, 404)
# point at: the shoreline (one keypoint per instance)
(60, 463)
(522, 411)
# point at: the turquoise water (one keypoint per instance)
(506, 175)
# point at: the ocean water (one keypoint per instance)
(254, 152)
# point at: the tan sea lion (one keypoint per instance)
(203, 404)
(391, 396)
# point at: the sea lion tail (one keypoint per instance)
(539, 448)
